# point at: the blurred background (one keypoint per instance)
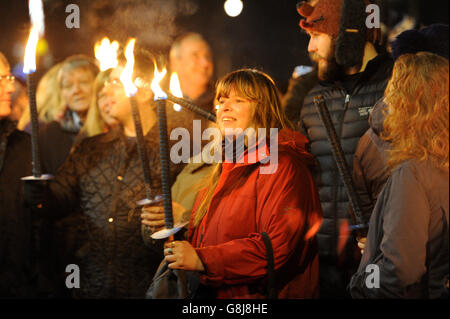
(264, 35)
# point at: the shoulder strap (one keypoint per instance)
(271, 289)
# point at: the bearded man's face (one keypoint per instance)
(321, 50)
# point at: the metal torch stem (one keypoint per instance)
(192, 107)
(341, 163)
(35, 153)
(141, 145)
(165, 170)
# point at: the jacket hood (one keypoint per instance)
(377, 117)
(288, 141)
(295, 142)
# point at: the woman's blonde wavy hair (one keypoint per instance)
(417, 119)
(49, 101)
(259, 88)
(94, 123)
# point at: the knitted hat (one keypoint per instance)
(434, 39)
(323, 17)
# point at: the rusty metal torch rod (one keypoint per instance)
(35, 152)
(165, 169)
(142, 150)
(341, 163)
(192, 107)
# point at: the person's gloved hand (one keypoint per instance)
(35, 193)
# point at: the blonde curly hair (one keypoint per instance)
(417, 118)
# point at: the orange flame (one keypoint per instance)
(29, 64)
(106, 53)
(175, 89)
(158, 76)
(127, 74)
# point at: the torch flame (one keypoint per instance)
(106, 53)
(127, 74)
(175, 89)
(29, 65)
(36, 10)
(158, 76)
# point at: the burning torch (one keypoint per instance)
(176, 97)
(160, 98)
(29, 68)
(130, 91)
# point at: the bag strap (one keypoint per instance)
(271, 289)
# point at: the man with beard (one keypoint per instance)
(351, 80)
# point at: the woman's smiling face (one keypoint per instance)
(234, 112)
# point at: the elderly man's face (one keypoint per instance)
(194, 62)
(6, 90)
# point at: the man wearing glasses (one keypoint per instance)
(15, 162)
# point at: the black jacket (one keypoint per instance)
(103, 179)
(15, 223)
(408, 239)
(349, 107)
(56, 141)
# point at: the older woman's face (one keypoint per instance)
(104, 108)
(77, 88)
(234, 112)
(6, 90)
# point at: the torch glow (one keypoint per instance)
(36, 10)
(158, 76)
(175, 89)
(106, 53)
(127, 74)
(29, 64)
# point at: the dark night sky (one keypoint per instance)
(266, 34)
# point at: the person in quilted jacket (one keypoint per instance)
(103, 179)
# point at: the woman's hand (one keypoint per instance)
(153, 216)
(181, 255)
(362, 244)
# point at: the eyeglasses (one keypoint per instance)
(140, 83)
(112, 83)
(8, 78)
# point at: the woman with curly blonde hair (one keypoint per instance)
(407, 243)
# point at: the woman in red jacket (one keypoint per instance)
(267, 188)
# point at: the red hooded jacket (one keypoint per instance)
(245, 203)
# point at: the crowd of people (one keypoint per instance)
(389, 107)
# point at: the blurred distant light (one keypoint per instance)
(233, 7)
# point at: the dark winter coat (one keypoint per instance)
(55, 141)
(349, 109)
(245, 203)
(103, 179)
(15, 223)
(408, 238)
(370, 171)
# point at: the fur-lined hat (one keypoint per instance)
(344, 20)
(434, 39)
